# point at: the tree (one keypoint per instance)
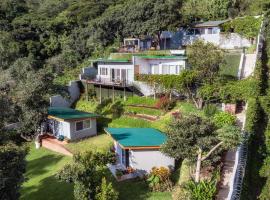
(86, 173)
(195, 138)
(12, 167)
(206, 59)
(197, 10)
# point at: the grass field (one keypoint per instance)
(101, 142)
(40, 182)
(232, 64)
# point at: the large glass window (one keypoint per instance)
(210, 31)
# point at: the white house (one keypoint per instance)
(139, 148)
(210, 31)
(70, 123)
(124, 71)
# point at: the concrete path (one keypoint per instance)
(54, 145)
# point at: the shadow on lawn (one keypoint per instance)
(38, 166)
(49, 188)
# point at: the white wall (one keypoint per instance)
(145, 64)
(129, 67)
(92, 131)
(145, 160)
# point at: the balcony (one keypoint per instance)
(110, 82)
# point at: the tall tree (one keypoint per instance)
(197, 139)
(206, 59)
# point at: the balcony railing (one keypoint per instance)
(110, 82)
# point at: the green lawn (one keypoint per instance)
(142, 110)
(98, 143)
(42, 165)
(40, 182)
(136, 100)
(232, 64)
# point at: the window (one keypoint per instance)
(86, 124)
(81, 125)
(197, 31)
(210, 31)
(104, 71)
(165, 69)
(155, 69)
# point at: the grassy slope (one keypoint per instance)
(99, 143)
(41, 184)
(232, 64)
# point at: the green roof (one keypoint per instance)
(137, 137)
(69, 113)
(163, 57)
(113, 60)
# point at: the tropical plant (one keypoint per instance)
(224, 118)
(203, 190)
(159, 179)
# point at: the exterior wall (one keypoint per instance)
(129, 67)
(145, 160)
(145, 65)
(74, 135)
(59, 128)
(74, 92)
(233, 40)
(118, 151)
(225, 41)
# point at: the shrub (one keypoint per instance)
(223, 118)
(165, 103)
(159, 179)
(106, 191)
(210, 110)
(204, 190)
(253, 115)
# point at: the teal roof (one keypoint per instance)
(137, 137)
(69, 113)
(163, 57)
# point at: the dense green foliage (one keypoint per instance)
(246, 26)
(204, 190)
(196, 138)
(223, 118)
(86, 173)
(256, 181)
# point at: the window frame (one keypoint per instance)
(83, 125)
